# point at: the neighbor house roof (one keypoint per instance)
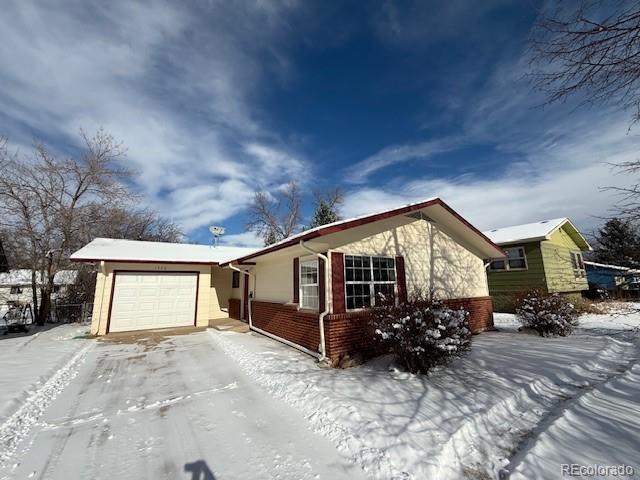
(23, 277)
(433, 209)
(604, 265)
(536, 231)
(117, 250)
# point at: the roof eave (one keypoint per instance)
(365, 220)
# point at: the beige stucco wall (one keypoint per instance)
(220, 291)
(273, 280)
(433, 260)
(104, 283)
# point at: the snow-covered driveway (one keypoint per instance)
(179, 408)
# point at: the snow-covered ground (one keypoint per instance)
(179, 408)
(517, 403)
(225, 405)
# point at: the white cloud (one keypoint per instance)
(395, 154)
(507, 200)
(176, 83)
(246, 239)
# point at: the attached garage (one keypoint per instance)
(146, 300)
(151, 285)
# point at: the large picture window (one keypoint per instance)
(366, 278)
(516, 260)
(309, 284)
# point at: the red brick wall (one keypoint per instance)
(350, 332)
(234, 308)
(480, 312)
(347, 332)
(288, 322)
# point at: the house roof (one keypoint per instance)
(536, 231)
(23, 277)
(458, 227)
(604, 265)
(118, 250)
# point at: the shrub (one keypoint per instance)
(422, 333)
(548, 314)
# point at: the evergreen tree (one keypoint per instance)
(326, 208)
(618, 243)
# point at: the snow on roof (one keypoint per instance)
(134, 250)
(604, 265)
(23, 277)
(340, 222)
(528, 231)
(329, 227)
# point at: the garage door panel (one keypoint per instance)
(144, 300)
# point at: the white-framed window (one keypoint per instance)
(577, 263)
(366, 277)
(516, 260)
(15, 290)
(309, 284)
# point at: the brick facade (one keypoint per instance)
(234, 308)
(347, 333)
(288, 322)
(480, 312)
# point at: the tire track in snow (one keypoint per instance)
(512, 420)
(17, 426)
(530, 437)
(374, 461)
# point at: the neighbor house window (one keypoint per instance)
(16, 290)
(309, 284)
(235, 279)
(578, 265)
(516, 260)
(366, 278)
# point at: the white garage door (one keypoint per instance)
(144, 300)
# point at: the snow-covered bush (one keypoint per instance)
(421, 333)
(548, 314)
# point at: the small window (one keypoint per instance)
(309, 284)
(56, 288)
(577, 263)
(16, 290)
(235, 279)
(516, 260)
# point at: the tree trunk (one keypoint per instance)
(34, 293)
(45, 305)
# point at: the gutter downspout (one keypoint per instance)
(249, 275)
(103, 270)
(323, 346)
(264, 332)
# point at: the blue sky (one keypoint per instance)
(394, 101)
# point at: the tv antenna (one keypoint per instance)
(216, 232)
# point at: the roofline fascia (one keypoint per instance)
(120, 260)
(356, 222)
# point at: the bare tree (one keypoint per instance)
(275, 217)
(591, 49)
(46, 203)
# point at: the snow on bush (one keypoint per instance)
(422, 333)
(548, 314)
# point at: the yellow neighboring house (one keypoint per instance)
(545, 255)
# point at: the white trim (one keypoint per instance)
(371, 283)
(313, 260)
(286, 342)
(506, 259)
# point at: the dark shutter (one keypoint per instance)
(401, 281)
(321, 286)
(337, 282)
(296, 280)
